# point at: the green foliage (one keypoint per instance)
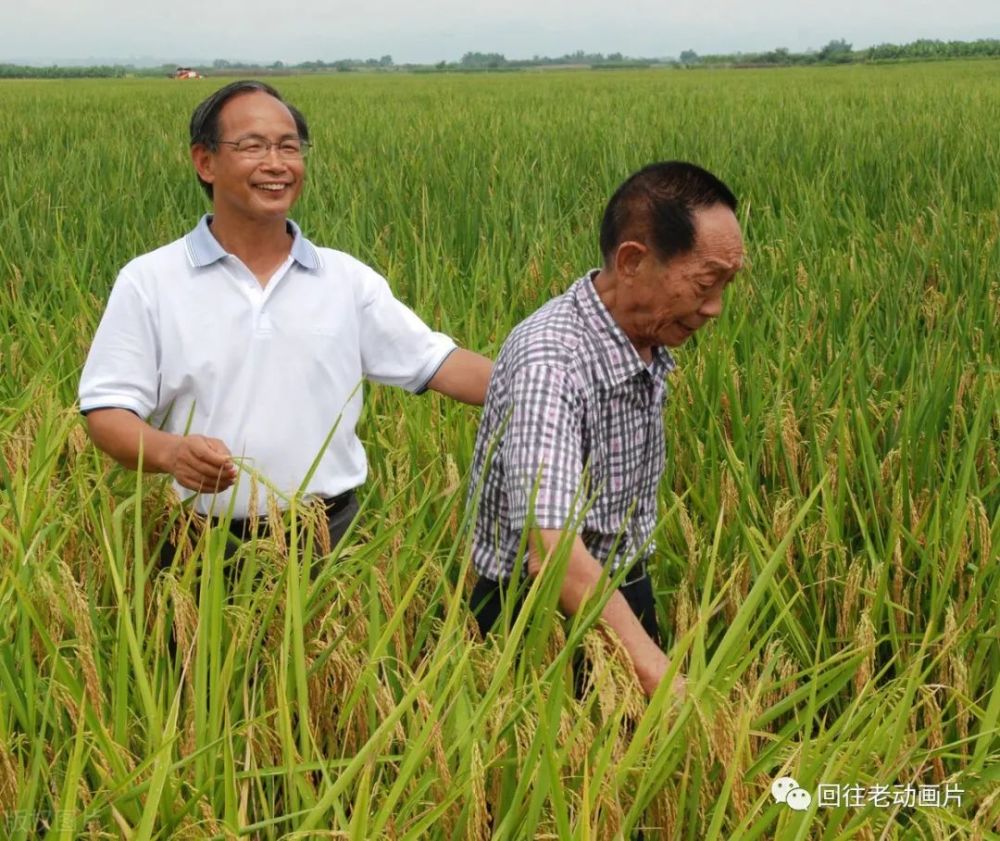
(838, 51)
(827, 562)
(102, 71)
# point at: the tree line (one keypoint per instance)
(837, 51)
(840, 51)
(97, 71)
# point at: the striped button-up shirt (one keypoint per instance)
(571, 436)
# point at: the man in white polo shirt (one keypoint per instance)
(243, 339)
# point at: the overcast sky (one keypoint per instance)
(301, 30)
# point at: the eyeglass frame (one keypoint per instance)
(303, 149)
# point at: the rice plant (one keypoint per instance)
(827, 561)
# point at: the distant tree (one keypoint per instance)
(838, 51)
(385, 61)
(689, 57)
(479, 61)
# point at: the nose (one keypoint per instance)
(273, 156)
(711, 307)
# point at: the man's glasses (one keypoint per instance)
(258, 148)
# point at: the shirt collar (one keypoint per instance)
(203, 248)
(622, 359)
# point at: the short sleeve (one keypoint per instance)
(542, 449)
(121, 370)
(397, 348)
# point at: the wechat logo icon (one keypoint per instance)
(786, 790)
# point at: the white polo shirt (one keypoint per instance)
(191, 342)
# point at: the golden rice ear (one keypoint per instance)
(45, 599)
(276, 526)
(77, 607)
(477, 825)
(321, 531)
(453, 484)
(8, 780)
(253, 505)
(864, 641)
(852, 589)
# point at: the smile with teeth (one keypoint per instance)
(273, 187)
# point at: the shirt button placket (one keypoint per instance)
(647, 483)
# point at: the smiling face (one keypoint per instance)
(665, 301)
(242, 186)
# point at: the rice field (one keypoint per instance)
(827, 565)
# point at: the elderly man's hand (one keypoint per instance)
(202, 464)
(651, 674)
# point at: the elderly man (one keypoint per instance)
(243, 339)
(571, 438)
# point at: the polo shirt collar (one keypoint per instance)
(622, 359)
(203, 249)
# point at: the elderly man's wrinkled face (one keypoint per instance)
(674, 298)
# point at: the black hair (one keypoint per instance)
(655, 206)
(205, 119)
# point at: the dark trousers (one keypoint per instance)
(488, 597)
(340, 512)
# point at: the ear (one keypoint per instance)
(628, 258)
(204, 162)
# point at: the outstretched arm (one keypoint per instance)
(197, 462)
(583, 575)
(463, 376)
